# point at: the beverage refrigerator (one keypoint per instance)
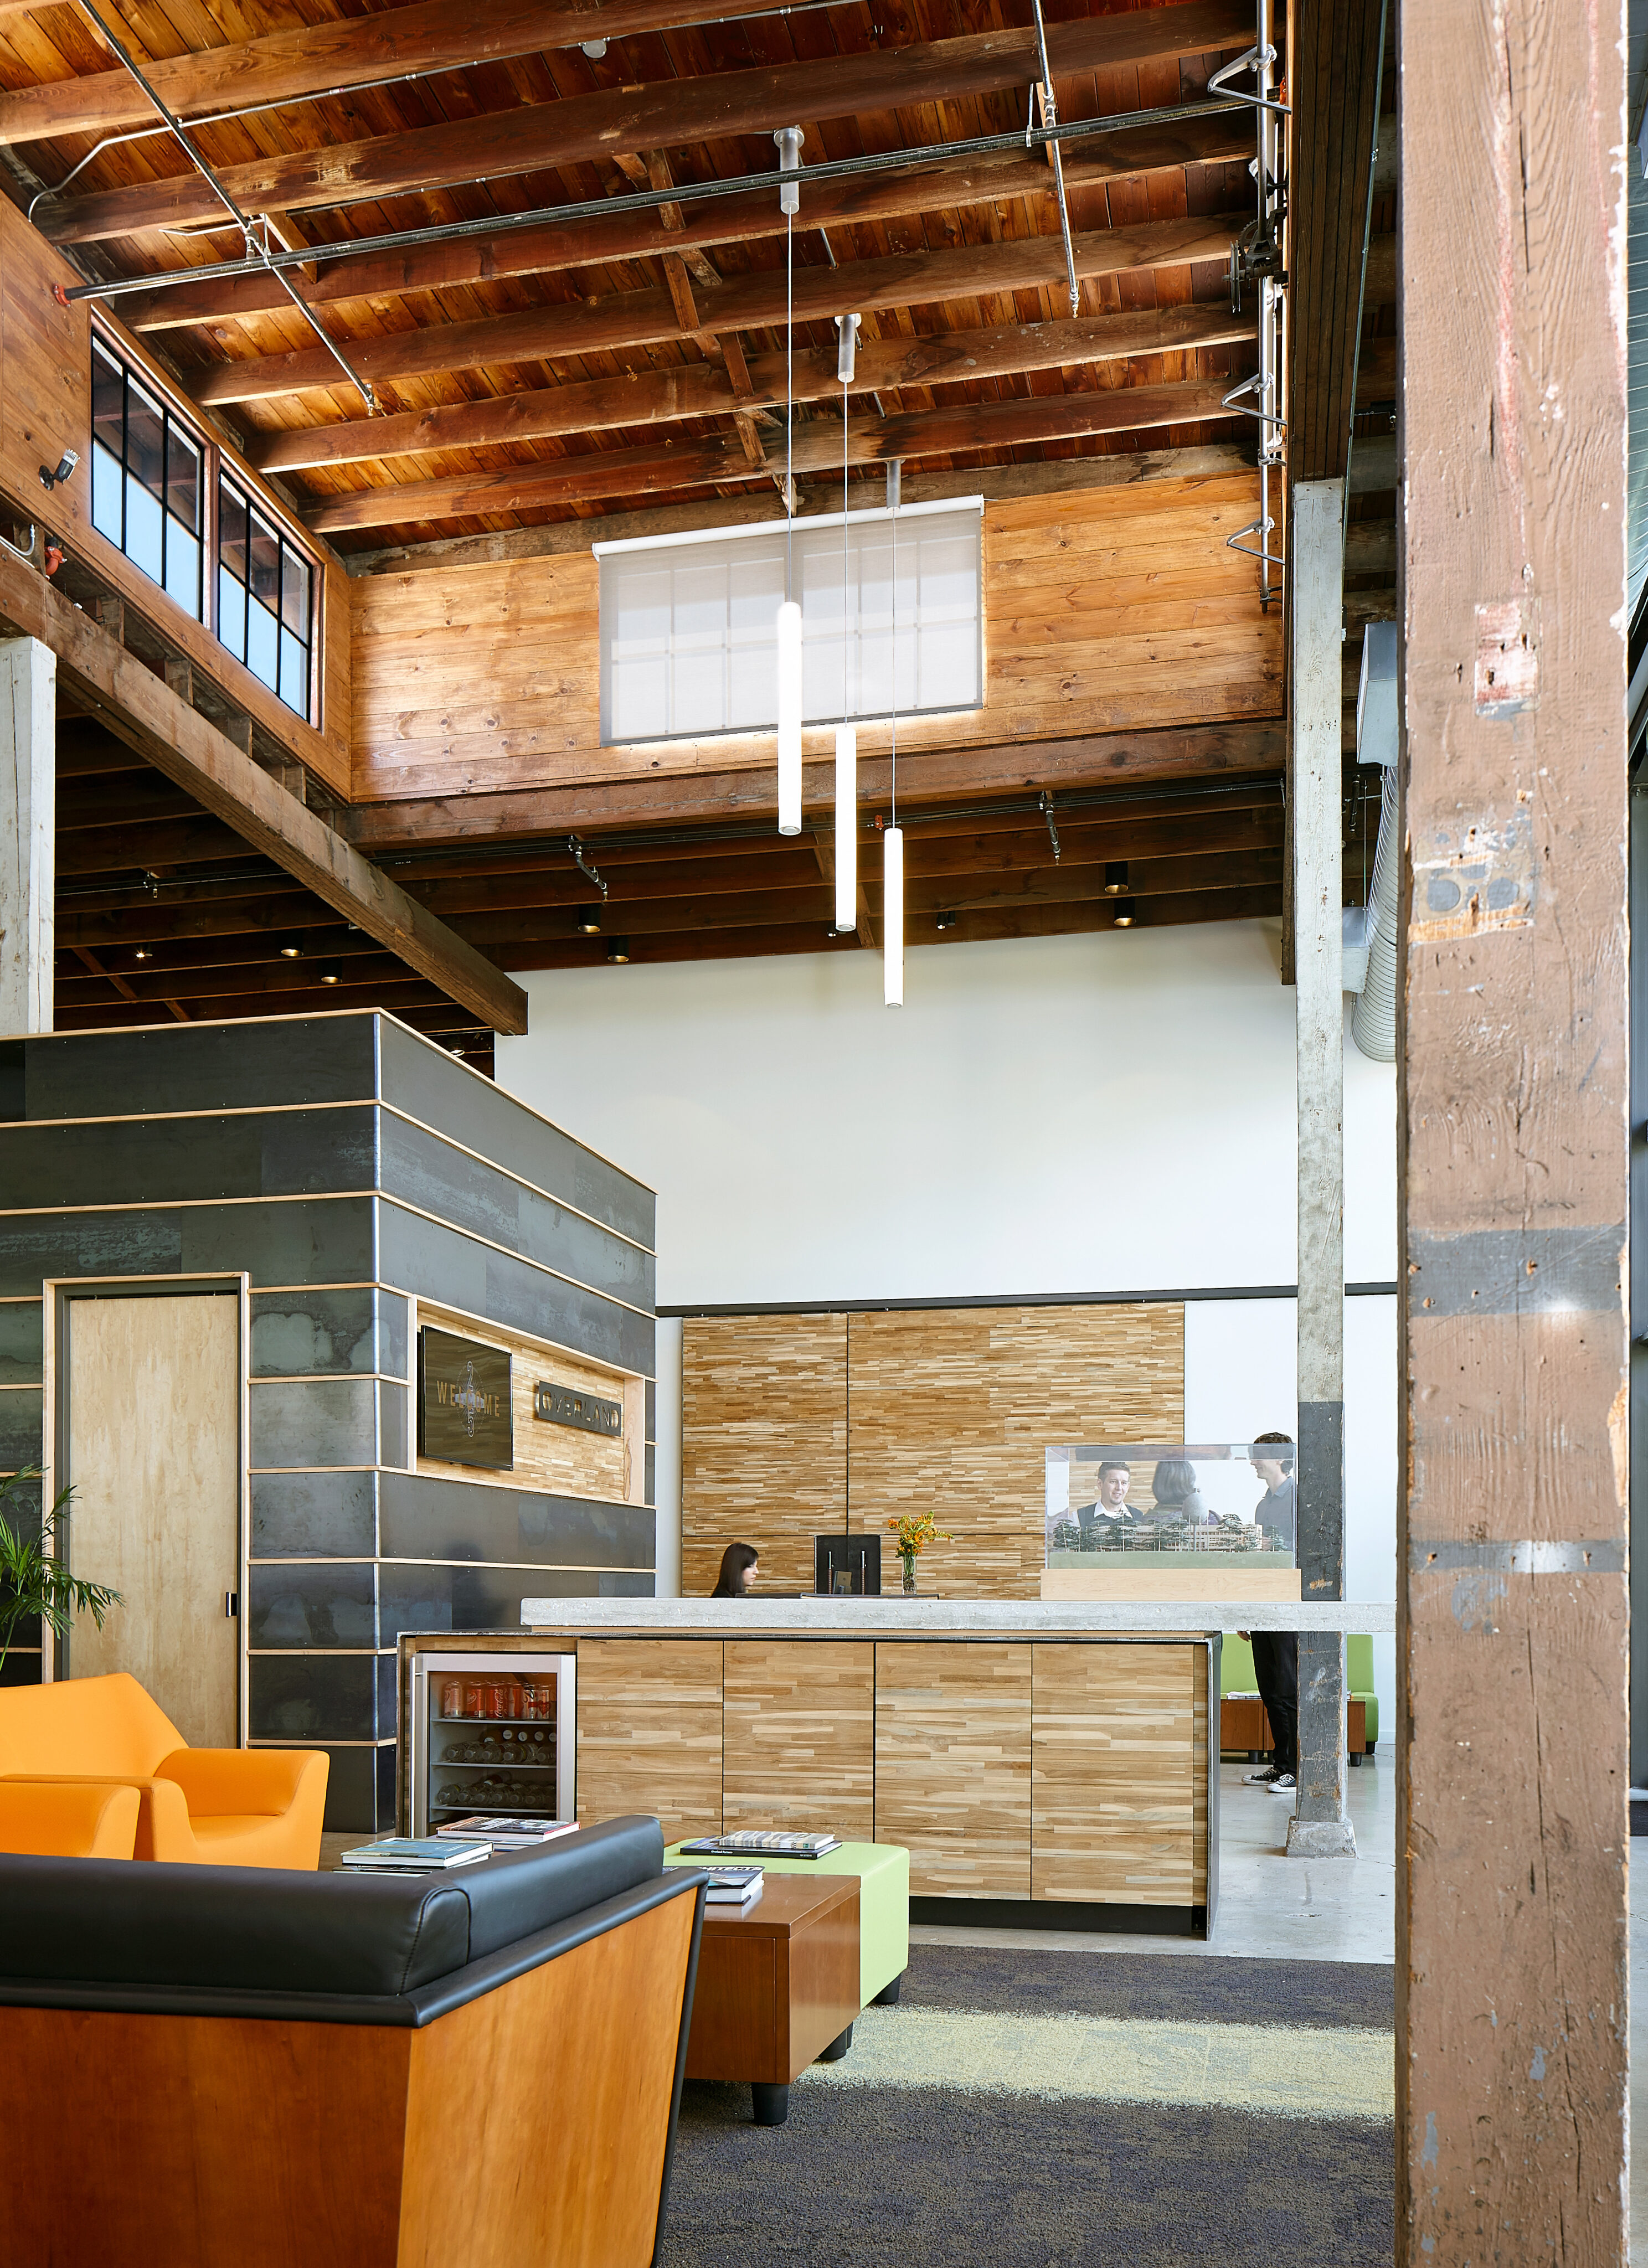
(492, 1733)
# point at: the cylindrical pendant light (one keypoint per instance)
(893, 916)
(790, 719)
(846, 827)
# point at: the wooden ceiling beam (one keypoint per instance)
(141, 709)
(671, 464)
(1333, 85)
(752, 302)
(313, 59)
(1249, 904)
(666, 114)
(603, 239)
(650, 397)
(930, 775)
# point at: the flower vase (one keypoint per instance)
(909, 1573)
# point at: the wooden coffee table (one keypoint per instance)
(777, 1986)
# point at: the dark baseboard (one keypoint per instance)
(1060, 1914)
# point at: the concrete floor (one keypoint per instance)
(1271, 1907)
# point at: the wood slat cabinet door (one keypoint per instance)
(649, 1731)
(953, 1765)
(799, 1735)
(1119, 1773)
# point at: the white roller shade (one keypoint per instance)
(687, 644)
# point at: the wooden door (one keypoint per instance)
(800, 1736)
(1119, 1773)
(154, 1455)
(953, 1765)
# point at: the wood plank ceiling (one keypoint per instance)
(572, 368)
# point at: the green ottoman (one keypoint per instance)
(883, 1872)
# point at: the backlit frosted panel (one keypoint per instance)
(688, 629)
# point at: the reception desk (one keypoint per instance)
(1045, 1763)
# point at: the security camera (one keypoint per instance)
(64, 470)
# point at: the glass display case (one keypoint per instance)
(1170, 1505)
(492, 1732)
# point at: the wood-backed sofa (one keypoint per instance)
(480, 2066)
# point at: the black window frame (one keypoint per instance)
(216, 466)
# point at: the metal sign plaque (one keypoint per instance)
(569, 1405)
(464, 1415)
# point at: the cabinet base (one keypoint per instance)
(1060, 1914)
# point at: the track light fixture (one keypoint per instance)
(1115, 877)
(1123, 918)
(333, 973)
(618, 952)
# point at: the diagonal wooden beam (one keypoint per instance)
(849, 200)
(665, 115)
(671, 464)
(139, 709)
(749, 302)
(653, 397)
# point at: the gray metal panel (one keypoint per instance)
(281, 1240)
(324, 1421)
(198, 1067)
(306, 1334)
(424, 1517)
(325, 1515)
(22, 1343)
(442, 1264)
(22, 1427)
(438, 1179)
(159, 1161)
(307, 1697)
(423, 1080)
(319, 1603)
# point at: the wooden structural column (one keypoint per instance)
(1320, 1827)
(28, 832)
(1512, 1949)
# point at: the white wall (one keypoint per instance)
(1057, 1114)
(1080, 1114)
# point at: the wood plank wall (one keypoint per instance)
(1106, 609)
(763, 1443)
(794, 1424)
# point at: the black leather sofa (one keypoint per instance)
(257, 2066)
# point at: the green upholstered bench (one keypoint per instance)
(883, 1872)
(1236, 1676)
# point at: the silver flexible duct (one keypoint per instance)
(1373, 1021)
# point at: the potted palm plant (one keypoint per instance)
(34, 1582)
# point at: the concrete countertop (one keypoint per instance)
(895, 1617)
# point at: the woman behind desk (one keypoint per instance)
(740, 1566)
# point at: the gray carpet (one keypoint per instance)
(1036, 2154)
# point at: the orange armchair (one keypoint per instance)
(68, 1819)
(211, 1807)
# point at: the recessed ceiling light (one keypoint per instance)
(332, 974)
(290, 951)
(142, 953)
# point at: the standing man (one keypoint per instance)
(1276, 1652)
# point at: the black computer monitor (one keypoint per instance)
(847, 1566)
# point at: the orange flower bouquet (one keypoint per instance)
(913, 1536)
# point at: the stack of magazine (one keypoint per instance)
(506, 1831)
(728, 1886)
(755, 1843)
(412, 1854)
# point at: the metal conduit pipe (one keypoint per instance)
(1373, 1020)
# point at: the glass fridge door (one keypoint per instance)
(492, 1733)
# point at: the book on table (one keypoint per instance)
(506, 1831)
(728, 1886)
(412, 1854)
(752, 1841)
